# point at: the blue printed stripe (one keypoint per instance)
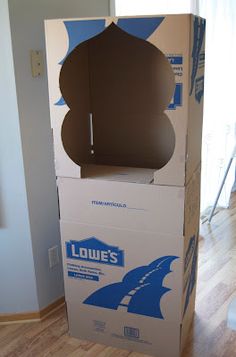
(73, 274)
(140, 27)
(175, 59)
(80, 31)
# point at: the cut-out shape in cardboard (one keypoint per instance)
(117, 87)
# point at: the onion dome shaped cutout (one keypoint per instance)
(117, 87)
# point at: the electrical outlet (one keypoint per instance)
(36, 63)
(53, 256)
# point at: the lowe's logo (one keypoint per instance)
(94, 250)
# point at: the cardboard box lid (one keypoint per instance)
(123, 205)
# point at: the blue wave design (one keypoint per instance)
(80, 31)
(140, 27)
(139, 292)
(198, 35)
(61, 101)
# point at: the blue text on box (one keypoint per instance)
(73, 274)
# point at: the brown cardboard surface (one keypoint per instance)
(195, 115)
(154, 336)
(125, 83)
(190, 253)
(188, 319)
(192, 204)
(118, 173)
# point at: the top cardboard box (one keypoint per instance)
(126, 97)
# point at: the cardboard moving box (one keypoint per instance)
(126, 99)
(124, 105)
(130, 260)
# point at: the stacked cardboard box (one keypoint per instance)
(127, 122)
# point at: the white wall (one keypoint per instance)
(17, 275)
(42, 229)
(150, 7)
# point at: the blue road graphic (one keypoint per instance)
(139, 292)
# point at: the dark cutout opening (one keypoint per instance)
(117, 87)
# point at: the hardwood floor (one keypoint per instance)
(209, 336)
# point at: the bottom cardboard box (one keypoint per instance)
(127, 288)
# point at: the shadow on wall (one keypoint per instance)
(2, 212)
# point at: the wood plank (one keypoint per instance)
(54, 305)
